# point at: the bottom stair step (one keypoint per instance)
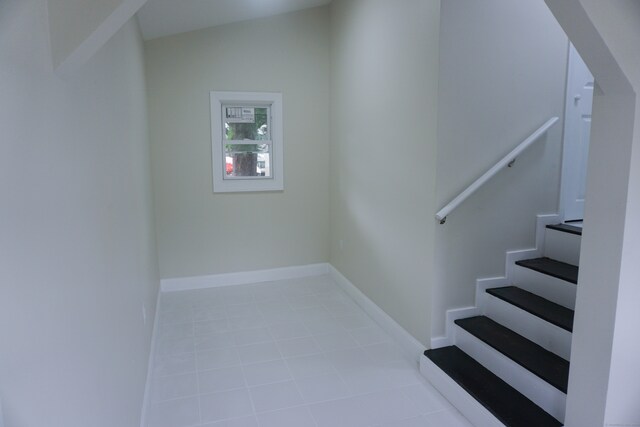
(503, 401)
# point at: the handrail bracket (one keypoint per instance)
(507, 160)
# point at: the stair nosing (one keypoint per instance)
(529, 310)
(546, 272)
(499, 383)
(562, 387)
(566, 228)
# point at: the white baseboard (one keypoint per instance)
(147, 388)
(243, 278)
(411, 347)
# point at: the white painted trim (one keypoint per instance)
(487, 283)
(453, 315)
(554, 289)
(439, 342)
(545, 334)
(459, 398)
(242, 278)
(92, 44)
(540, 392)
(276, 181)
(147, 388)
(502, 163)
(562, 246)
(411, 347)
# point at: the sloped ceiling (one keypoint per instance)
(160, 18)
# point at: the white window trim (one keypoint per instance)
(276, 181)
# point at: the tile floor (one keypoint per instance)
(289, 353)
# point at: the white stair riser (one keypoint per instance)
(472, 410)
(530, 385)
(554, 289)
(562, 246)
(543, 333)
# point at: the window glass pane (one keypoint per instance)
(247, 160)
(246, 123)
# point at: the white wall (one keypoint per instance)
(502, 75)
(604, 381)
(203, 233)
(383, 152)
(77, 253)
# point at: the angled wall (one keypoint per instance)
(77, 252)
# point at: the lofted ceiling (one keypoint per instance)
(160, 18)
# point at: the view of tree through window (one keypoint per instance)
(241, 125)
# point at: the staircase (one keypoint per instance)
(506, 360)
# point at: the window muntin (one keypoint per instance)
(247, 141)
(243, 125)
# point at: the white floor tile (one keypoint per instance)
(341, 413)
(287, 330)
(289, 353)
(241, 310)
(224, 405)
(275, 396)
(174, 364)
(204, 314)
(266, 372)
(335, 341)
(292, 417)
(298, 347)
(174, 413)
(250, 421)
(246, 322)
(221, 379)
(384, 352)
(217, 358)
(322, 388)
(310, 366)
(426, 398)
(368, 336)
(388, 406)
(210, 342)
(256, 353)
(169, 317)
(175, 330)
(173, 387)
(209, 327)
(449, 418)
(175, 346)
(252, 336)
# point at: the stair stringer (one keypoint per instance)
(466, 404)
(482, 284)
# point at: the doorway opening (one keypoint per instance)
(577, 131)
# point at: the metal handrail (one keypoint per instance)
(507, 160)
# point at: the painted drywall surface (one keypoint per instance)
(77, 256)
(72, 21)
(200, 232)
(603, 381)
(502, 75)
(383, 152)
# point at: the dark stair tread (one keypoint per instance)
(567, 228)
(543, 363)
(536, 305)
(506, 403)
(551, 267)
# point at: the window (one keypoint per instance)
(246, 133)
